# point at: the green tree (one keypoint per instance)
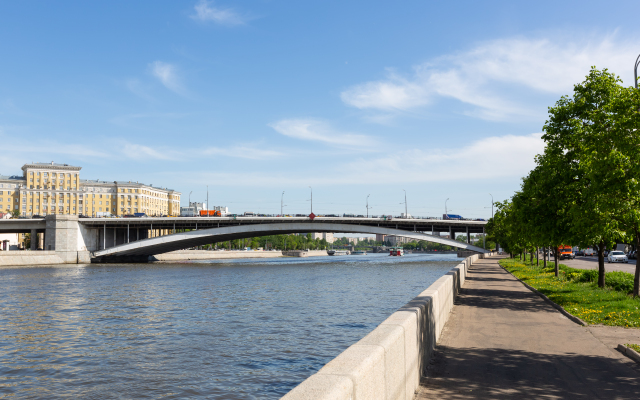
(594, 134)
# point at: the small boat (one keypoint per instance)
(396, 251)
(338, 252)
(359, 253)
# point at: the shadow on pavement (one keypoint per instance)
(507, 374)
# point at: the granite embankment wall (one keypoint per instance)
(25, 257)
(387, 363)
(182, 255)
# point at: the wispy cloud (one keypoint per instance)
(319, 131)
(205, 11)
(142, 152)
(251, 153)
(167, 75)
(496, 77)
(504, 157)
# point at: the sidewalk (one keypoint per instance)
(503, 342)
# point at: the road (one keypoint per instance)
(592, 263)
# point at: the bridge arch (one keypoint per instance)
(183, 240)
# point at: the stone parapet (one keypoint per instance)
(387, 363)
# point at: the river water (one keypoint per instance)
(241, 329)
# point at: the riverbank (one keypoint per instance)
(577, 292)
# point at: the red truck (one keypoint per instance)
(565, 251)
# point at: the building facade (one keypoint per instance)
(50, 188)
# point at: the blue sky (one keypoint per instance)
(442, 99)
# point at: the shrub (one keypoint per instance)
(590, 275)
(620, 281)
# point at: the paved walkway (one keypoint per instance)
(504, 342)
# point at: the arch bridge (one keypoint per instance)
(135, 239)
(190, 232)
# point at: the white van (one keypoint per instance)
(590, 252)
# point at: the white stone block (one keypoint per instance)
(391, 338)
(364, 364)
(322, 387)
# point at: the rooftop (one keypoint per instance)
(51, 164)
(12, 177)
(122, 183)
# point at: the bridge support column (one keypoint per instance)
(63, 236)
(34, 239)
(452, 234)
(468, 236)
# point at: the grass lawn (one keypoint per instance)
(633, 346)
(576, 290)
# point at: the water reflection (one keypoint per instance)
(240, 329)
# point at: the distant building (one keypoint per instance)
(328, 236)
(9, 241)
(193, 210)
(380, 238)
(397, 240)
(50, 188)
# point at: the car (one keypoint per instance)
(617, 256)
(606, 253)
(580, 253)
(631, 255)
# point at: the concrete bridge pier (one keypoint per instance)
(34, 239)
(69, 241)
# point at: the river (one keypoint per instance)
(228, 329)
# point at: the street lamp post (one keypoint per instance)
(311, 199)
(190, 199)
(368, 205)
(445, 206)
(406, 214)
(635, 72)
(491, 204)
(281, 203)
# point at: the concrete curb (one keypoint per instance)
(549, 301)
(387, 363)
(629, 352)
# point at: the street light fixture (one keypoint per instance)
(311, 199)
(445, 206)
(282, 203)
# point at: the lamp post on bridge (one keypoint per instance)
(311, 199)
(445, 206)
(282, 203)
(368, 205)
(491, 204)
(406, 213)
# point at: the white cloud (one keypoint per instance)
(318, 131)
(251, 153)
(138, 151)
(499, 157)
(497, 77)
(487, 158)
(167, 75)
(223, 16)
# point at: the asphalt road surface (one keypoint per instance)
(592, 263)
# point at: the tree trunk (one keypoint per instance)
(538, 256)
(544, 258)
(601, 271)
(531, 257)
(636, 278)
(555, 260)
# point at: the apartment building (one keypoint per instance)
(50, 188)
